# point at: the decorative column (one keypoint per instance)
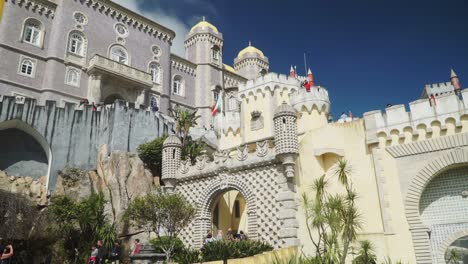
(172, 148)
(287, 150)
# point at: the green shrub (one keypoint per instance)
(187, 256)
(151, 155)
(221, 250)
(71, 175)
(164, 242)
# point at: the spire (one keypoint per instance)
(292, 72)
(250, 43)
(310, 78)
(309, 72)
(204, 18)
(452, 73)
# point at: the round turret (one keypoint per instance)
(251, 63)
(286, 141)
(171, 153)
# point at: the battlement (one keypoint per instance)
(437, 89)
(270, 82)
(74, 134)
(231, 123)
(423, 115)
(318, 97)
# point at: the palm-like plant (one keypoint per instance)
(366, 253)
(185, 119)
(453, 256)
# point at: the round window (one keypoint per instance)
(80, 18)
(121, 30)
(156, 50)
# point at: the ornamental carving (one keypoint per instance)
(242, 152)
(220, 156)
(201, 162)
(262, 148)
(184, 166)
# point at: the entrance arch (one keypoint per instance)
(212, 193)
(228, 213)
(112, 98)
(33, 141)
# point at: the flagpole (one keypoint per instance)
(305, 64)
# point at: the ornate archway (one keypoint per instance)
(420, 232)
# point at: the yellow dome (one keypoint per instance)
(203, 24)
(250, 49)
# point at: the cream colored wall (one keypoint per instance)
(311, 120)
(349, 138)
(227, 218)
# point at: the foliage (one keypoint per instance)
(366, 254)
(453, 256)
(71, 175)
(163, 242)
(192, 149)
(151, 155)
(79, 224)
(162, 213)
(332, 219)
(223, 250)
(187, 256)
(185, 119)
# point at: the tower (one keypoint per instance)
(251, 63)
(286, 141)
(171, 153)
(204, 47)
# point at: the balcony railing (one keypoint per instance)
(119, 70)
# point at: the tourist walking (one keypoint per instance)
(220, 235)
(242, 236)
(209, 238)
(93, 258)
(137, 247)
(229, 235)
(102, 253)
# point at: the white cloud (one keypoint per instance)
(164, 18)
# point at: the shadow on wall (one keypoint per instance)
(21, 154)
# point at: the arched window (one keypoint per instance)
(33, 32)
(154, 103)
(155, 71)
(76, 43)
(178, 85)
(27, 67)
(215, 54)
(72, 77)
(232, 104)
(119, 54)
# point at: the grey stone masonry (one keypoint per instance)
(71, 136)
(171, 155)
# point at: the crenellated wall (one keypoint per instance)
(424, 120)
(71, 136)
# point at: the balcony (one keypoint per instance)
(105, 65)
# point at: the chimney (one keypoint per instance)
(310, 78)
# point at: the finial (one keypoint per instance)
(250, 43)
(203, 18)
(452, 73)
(309, 71)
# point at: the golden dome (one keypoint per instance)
(204, 24)
(250, 49)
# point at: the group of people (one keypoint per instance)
(6, 252)
(99, 254)
(230, 236)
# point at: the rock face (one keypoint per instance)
(121, 176)
(27, 186)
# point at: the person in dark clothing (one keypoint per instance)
(115, 253)
(102, 254)
(1, 246)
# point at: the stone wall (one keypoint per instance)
(71, 136)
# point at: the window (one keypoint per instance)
(121, 30)
(76, 44)
(215, 95)
(80, 18)
(156, 50)
(232, 103)
(154, 103)
(237, 209)
(72, 77)
(27, 67)
(215, 54)
(32, 32)
(155, 71)
(177, 86)
(119, 54)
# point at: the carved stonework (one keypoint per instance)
(242, 152)
(220, 156)
(262, 148)
(201, 161)
(19, 99)
(184, 166)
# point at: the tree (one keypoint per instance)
(185, 119)
(80, 224)
(452, 256)
(162, 213)
(332, 219)
(366, 254)
(151, 155)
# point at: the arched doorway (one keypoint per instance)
(457, 251)
(111, 98)
(229, 212)
(443, 208)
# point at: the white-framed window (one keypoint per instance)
(119, 54)
(72, 76)
(80, 18)
(27, 67)
(232, 104)
(76, 43)
(121, 30)
(33, 31)
(215, 54)
(178, 85)
(156, 50)
(155, 71)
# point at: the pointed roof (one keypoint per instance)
(452, 73)
(309, 72)
(204, 25)
(292, 69)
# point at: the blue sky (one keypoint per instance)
(367, 53)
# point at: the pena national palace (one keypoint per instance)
(83, 83)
